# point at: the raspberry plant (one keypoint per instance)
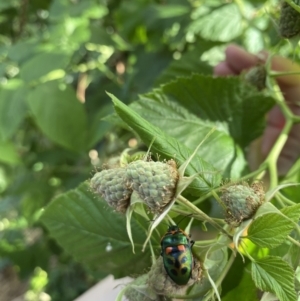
(255, 231)
(90, 187)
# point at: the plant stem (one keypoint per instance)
(203, 198)
(241, 8)
(182, 212)
(273, 156)
(279, 200)
(222, 276)
(200, 213)
(219, 220)
(200, 243)
(293, 5)
(218, 200)
(278, 73)
(285, 199)
(257, 174)
(295, 242)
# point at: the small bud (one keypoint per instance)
(242, 201)
(155, 182)
(162, 284)
(256, 76)
(111, 185)
(289, 23)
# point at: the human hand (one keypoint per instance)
(237, 60)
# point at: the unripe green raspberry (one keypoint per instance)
(138, 290)
(256, 76)
(242, 201)
(155, 182)
(289, 23)
(111, 185)
(162, 284)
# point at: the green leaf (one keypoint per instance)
(59, 114)
(91, 231)
(219, 150)
(169, 148)
(269, 230)
(87, 9)
(271, 193)
(168, 11)
(23, 50)
(292, 212)
(146, 73)
(272, 274)
(189, 63)
(97, 127)
(293, 176)
(215, 262)
(12, 107)
(223, 23)
(235, 108)
(8, 153)
(42, 64)
(8, 4)
(293, 256)
(244, 286)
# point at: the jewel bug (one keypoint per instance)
(176, 250)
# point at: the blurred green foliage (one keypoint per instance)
(58, 57)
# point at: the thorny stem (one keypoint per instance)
(201, 214)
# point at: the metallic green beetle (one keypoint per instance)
(176, 250)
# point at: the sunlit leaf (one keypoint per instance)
(272, 274)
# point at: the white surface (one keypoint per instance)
(105, 290)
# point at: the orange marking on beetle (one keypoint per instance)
(181, 248)
(169, 250)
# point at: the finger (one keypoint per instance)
(291, 150)
(282, 64)
(238, 59)
(289, 84)
(275, 123)
(222, 69)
